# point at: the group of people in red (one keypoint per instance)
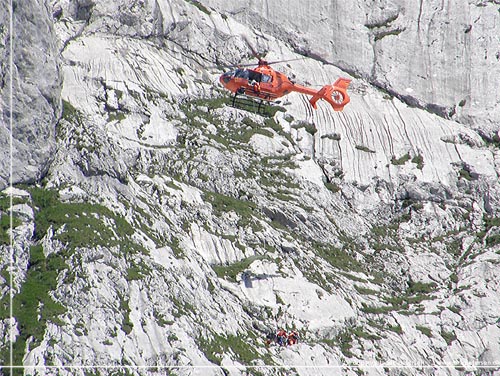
(282, 338)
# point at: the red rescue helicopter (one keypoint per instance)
(268, 84)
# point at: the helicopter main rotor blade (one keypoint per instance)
(284, 61)
(231, 66)
(249, 44)
(254, 64)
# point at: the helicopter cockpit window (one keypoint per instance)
(254, 76)
(242, 73)
(266, 78)
(251, 75)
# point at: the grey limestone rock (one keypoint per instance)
(181, 228)
(441, 56)
(36, 86)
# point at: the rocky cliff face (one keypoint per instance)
(36, 84)
(441, 56)
(172, 231)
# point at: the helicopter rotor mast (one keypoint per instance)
(276, 84)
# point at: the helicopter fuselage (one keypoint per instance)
(265, 83)
(262, 82)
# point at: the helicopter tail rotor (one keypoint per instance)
(335, 94)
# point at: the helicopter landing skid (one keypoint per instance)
(251, 103)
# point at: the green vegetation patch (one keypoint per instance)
(401, 301)
(5, 224)
(75, 225)
(243, 349)
(69, 112)
(332, 136)
(195, 110)
(359, 332)
(344, 339)
(231, 271)
(199, 5)
(316, 275)
(211, 103)
(333, 187)
(401, 160)
(272, 177)
(395, 328)
(182, 307)
(376, 310)
(5, 202)
(449, 337)
(176, 248)
(420, 288)
(116, 115)
(339, 258)
(454, 246)
(266, 110)
(223, 204)
(250, 123)
(465, 174)
(365, 291)
(136, 272)
(33, 307)
(494, 141)
(455, 309)
(244, 135)
(386, 236)
(309, 127)
(229, 135)
(127, 325)
(493, 240)
(271, 123)
(454, 277)
(271, 110)
(5, 227)
(381, 231)
(424, 330)
(489, 223)
(419, 161)
(364, 148)
(80, 224)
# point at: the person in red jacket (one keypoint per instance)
(293, 338)
(281, 337)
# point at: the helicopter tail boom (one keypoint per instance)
(335, 94)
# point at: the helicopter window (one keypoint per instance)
(242, 73)
(254, 76)
(266, 78)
